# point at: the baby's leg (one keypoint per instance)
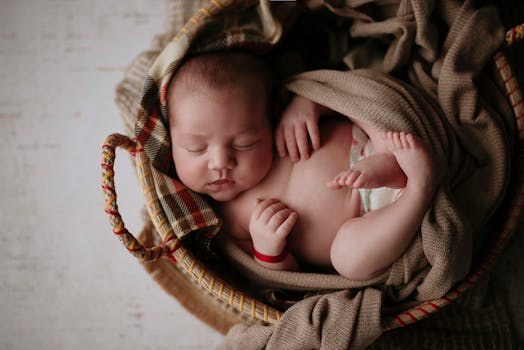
(365, 246)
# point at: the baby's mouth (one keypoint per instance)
(221, 184)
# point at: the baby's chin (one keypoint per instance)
(223, 196)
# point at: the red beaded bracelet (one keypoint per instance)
(271, 259)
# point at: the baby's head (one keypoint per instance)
(219, 108)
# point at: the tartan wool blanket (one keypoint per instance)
(447, 98)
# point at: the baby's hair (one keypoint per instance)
(225, 70)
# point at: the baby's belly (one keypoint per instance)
(321, 210)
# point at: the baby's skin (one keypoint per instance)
(315, 208)
(307, 199)
(293, 205)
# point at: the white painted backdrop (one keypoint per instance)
(65, 280)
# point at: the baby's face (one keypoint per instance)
(222, 142)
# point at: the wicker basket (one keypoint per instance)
(218, 302)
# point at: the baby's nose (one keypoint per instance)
(221, 159)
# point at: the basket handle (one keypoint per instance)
(144, 254)
(514, 34)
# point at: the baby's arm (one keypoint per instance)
(299, 120)
(270, 224)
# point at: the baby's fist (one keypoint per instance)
(270, 223)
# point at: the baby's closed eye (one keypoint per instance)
(190, 147)
(195, 148)
(245, 145)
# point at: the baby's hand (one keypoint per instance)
(299, 119)
(270, 224)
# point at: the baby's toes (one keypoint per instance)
(334, 182)
(339, 180)
(352, 177)
(413, 142)
(343, 178)
(359, 181)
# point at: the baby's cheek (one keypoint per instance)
(262, 163)
(187, 171)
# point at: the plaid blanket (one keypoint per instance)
(217, 26)
(443, 72)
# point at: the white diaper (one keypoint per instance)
(370, 198)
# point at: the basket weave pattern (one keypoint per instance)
(174, 249)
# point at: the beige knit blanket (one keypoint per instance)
(453, 105)
(447, 97)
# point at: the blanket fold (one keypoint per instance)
(359, 322)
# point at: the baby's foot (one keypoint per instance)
(377, 170)
(414, 158)
(348, 178)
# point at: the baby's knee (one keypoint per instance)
(338, 254)
(349, 257)
(341, 251)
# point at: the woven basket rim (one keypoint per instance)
(244, 304)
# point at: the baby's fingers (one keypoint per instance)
(314, 135)
(278, 216)
(291, 144)
(270, 211)
(261, 206)
(301, 135)
(287, 224)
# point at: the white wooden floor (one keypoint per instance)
(65, 280)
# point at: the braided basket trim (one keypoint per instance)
(172, 248)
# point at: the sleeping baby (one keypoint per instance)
(317, 190)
